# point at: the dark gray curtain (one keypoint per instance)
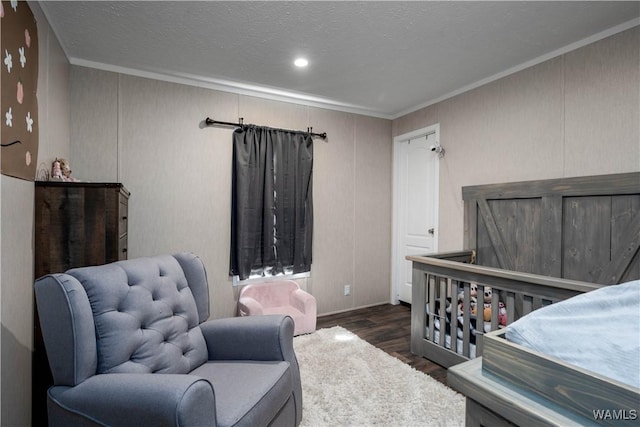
(272, 201)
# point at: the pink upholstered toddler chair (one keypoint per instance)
(281, 297)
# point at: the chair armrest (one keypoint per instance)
(266, 337)
(249, 306)
(137, 399)
(304, 302)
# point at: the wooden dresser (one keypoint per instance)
(77, 224)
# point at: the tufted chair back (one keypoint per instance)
(134, 316)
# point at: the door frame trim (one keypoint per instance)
(433, 129)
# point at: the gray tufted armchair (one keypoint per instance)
(129, 343)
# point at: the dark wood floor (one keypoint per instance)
(387, 327)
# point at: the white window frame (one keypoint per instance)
(261, 279)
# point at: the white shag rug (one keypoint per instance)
(348, 382)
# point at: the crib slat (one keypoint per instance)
(510, 304)
(494, 310)
(431, 298)
(466, 319)
(453, 289)
(527, 304)
(443, 313)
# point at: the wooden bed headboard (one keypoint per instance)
(585, 228)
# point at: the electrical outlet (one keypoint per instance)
(347, 290)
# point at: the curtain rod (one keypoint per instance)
(241, 123)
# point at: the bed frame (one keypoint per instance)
(513, 385)
(534, 243)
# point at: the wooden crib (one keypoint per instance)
(533, 243)
(437, 281)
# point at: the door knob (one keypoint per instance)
(431, 231)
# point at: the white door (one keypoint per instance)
(416, 205)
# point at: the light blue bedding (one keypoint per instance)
(598, 331)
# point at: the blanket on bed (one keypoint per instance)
(598, 331)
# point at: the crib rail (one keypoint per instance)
(444, 327)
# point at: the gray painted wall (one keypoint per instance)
(574, 115)
(149, 135)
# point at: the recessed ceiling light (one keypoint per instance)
(301, 62)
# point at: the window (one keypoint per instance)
(272, 202)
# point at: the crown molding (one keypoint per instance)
(240, 88)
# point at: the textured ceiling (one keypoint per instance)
(377, 58)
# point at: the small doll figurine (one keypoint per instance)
(66, 170)
(56, 171)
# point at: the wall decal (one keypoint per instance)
(19, 103)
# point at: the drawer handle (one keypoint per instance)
(124, 218)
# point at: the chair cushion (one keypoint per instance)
(294, 313)
(247, 392)
(145, 316)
